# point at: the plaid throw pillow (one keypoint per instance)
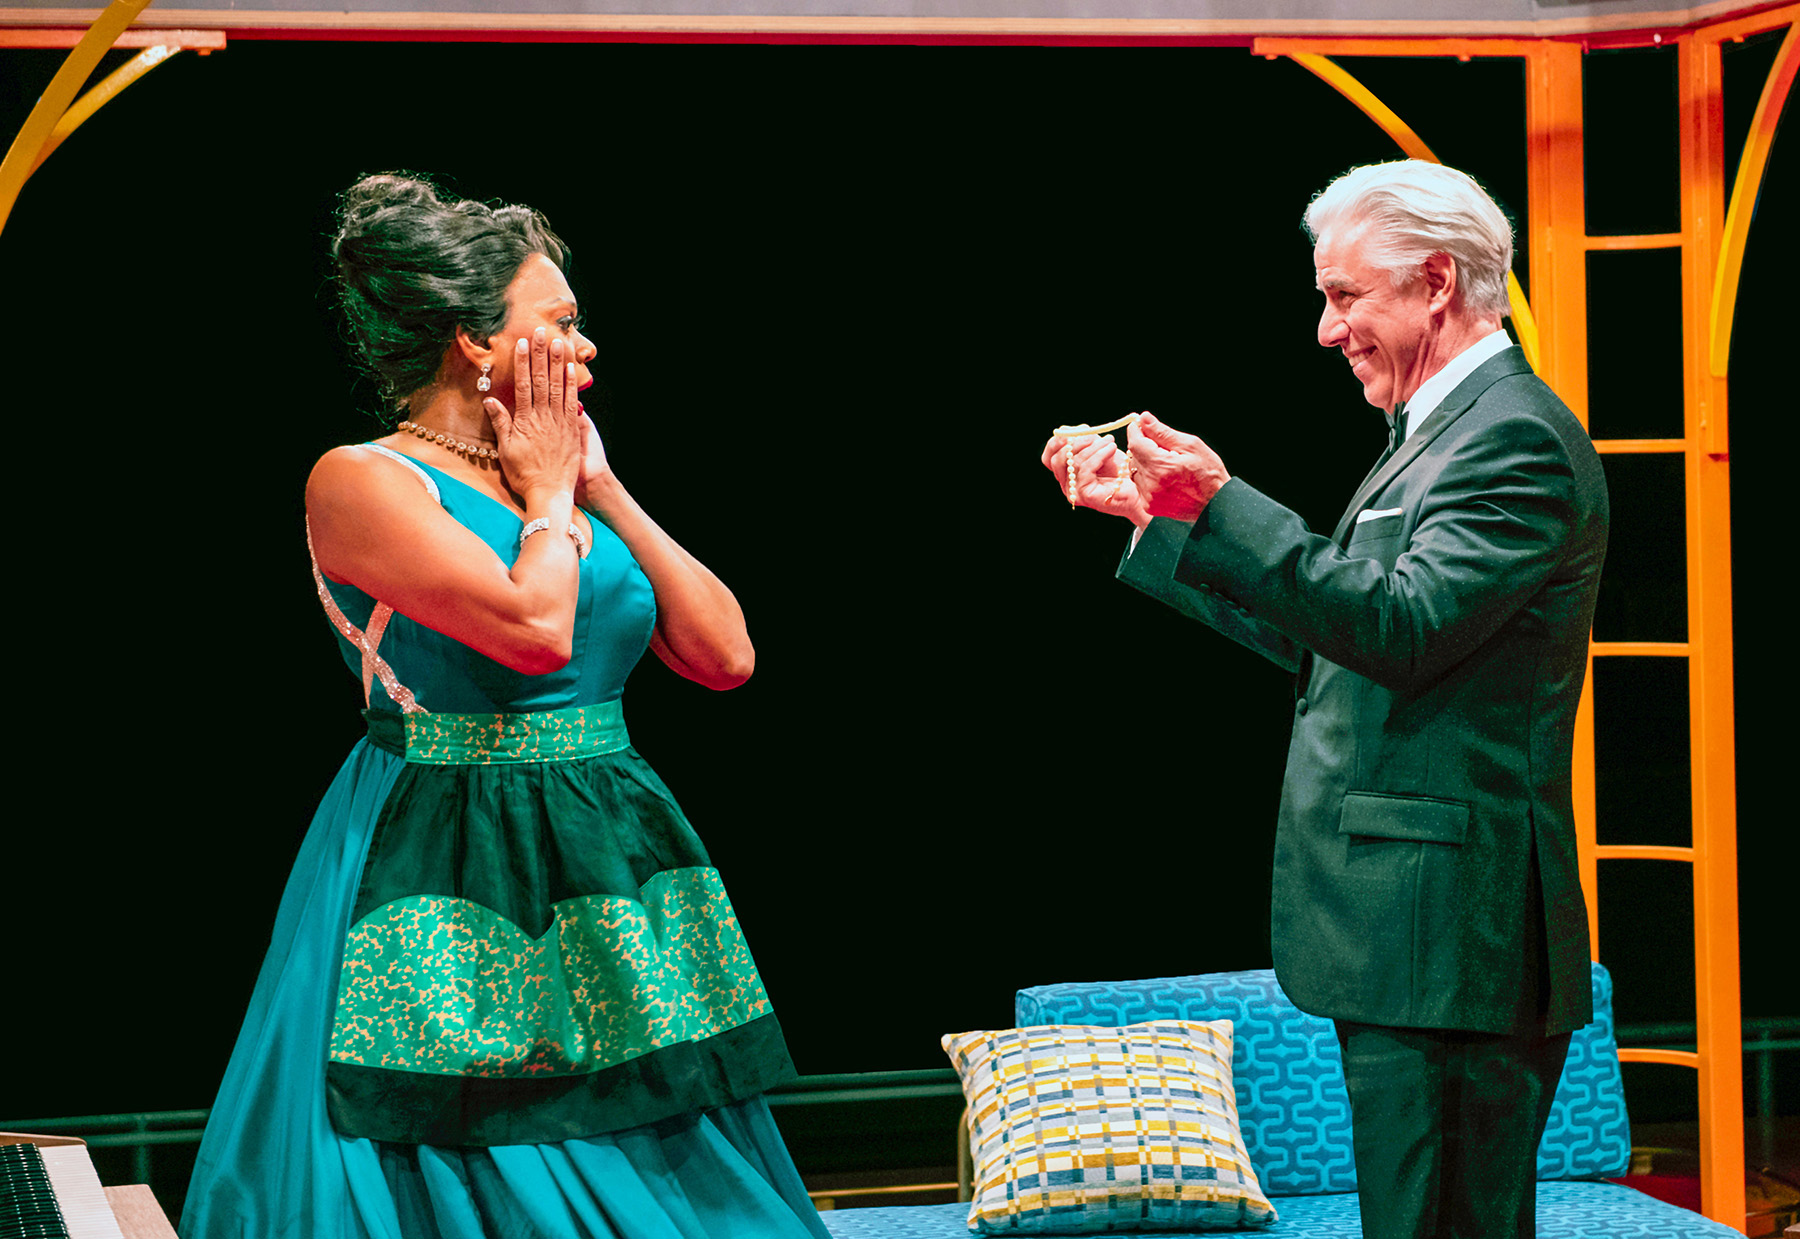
(1080, 1129)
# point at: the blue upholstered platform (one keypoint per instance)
(1288, 1078)
(1566, 1210)
(1289, 1074)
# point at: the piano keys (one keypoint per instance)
(50, 1190)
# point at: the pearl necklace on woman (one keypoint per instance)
(478, 450)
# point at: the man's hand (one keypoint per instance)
(1177, 474)
(1102, 481)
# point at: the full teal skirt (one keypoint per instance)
(273, 1167)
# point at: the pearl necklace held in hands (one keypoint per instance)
(1082, 431)
(477, 450)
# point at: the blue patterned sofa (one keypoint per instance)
(1295, 1116)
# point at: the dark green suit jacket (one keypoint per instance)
(1425, 871)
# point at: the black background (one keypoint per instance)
(841, 295)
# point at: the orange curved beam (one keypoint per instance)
(1743, 197)
(22, 157)
(1341, 80)
(102, 94)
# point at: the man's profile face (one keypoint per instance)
(1380, 329)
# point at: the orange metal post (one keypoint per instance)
(1557, 215)
(1718, 1011)
(1557, 211)
(1559, 245)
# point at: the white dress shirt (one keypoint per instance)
(1432, 391)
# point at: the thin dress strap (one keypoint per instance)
(374, 667)
(430, 482)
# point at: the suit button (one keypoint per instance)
(1300, 707)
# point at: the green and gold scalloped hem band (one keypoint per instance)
(443, 986)
(495, 739)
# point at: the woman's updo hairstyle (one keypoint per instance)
(413, 264)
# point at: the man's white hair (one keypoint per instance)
(1416, 209)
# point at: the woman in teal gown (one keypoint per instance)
(506, 996)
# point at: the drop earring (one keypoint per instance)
(483, 383)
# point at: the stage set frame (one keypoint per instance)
(1552, 325)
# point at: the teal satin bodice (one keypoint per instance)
(614, 615)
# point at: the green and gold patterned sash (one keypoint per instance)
(489, 739)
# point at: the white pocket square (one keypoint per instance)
(1375, 514)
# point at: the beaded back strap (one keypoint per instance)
(374, 667)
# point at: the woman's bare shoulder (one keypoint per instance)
(358, 475)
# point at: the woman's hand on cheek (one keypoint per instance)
(541, 435)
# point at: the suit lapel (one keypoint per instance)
(1362, 490)
(1499, 366)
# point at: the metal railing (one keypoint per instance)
(138, 1132)
(142, 1133)
(1764, 1038)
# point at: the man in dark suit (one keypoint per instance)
(1425, 888)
